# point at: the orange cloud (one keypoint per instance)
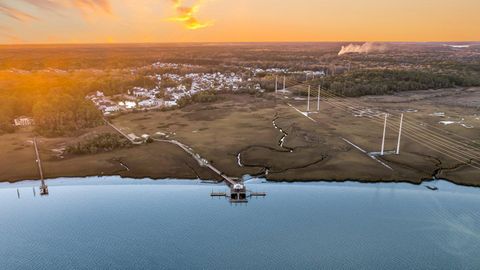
(186, 15)
(46, 4)
(93, 5)
(15, 13)
(57, 6)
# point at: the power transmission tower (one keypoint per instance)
(318, 97)
(384, 133)
(276, 85)
(399, 134)
(308, 99)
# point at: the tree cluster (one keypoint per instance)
(101, 143)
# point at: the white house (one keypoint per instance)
(23, 121)
(170, 103)
(111, 109)
(150, 103)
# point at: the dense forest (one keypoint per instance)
(56, 100)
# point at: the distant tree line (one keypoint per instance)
(379, 82)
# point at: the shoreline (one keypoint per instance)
(216, 182)
(274, 141)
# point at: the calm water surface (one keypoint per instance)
(109, 223)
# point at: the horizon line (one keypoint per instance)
(231, 42)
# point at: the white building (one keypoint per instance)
(150, 103)
(170, 103)
(23, 121)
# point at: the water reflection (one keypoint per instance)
(105, 223)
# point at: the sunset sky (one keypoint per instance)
(125, 21)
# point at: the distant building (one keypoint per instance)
(150, 103)
(111, 109)
(23, 121)
(170, 103)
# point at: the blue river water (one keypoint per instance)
(113, 223)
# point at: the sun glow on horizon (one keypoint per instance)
(124, 21)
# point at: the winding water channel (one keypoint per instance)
(281, 144)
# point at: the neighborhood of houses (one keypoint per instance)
(140, 98)
(171, 87)
(173, 84)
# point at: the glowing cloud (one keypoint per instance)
(93, 5)
(45, 4)
(85, 6)
(15, 13)
(186, 15)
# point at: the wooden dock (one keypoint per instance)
(201, 161)
(218, 194)
(43, 186)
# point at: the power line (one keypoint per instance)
(435, 135)
(420, 135)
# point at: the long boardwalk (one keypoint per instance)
(38, 160)
(43, 187)
(201, 161)
(238, 191)
(120, 132)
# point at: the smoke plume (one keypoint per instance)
(364, 48)
(187, 15)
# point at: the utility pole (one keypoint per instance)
(399, 134)
(276, 84)
(284, 83)
(318, 97)
(308, 100)
(384, 133)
